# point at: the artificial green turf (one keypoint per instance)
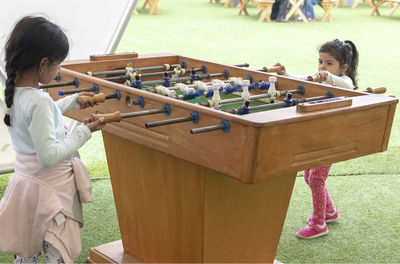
(364, 189)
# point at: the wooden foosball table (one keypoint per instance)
(202, 170)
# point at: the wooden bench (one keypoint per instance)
(327, 6)
(265, 6)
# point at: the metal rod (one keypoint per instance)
(77, 90)
(123, 71)
(55, 85)
(283, 104)
(254, 97)
(170, 121)
(116, 78)
(114, 95)
(167, 72)
(184, 79)
(207, 129)
(142, 113)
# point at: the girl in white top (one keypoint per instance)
(337, 66)
(41, 207)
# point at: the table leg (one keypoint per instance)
(228, 3)
(375, 5)
(327, 13)
(263, 15)
(394, 9)
(356, 3)
(147, 2)
(243, 4)
(292, 10)
(153, 7)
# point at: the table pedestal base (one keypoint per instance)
(113, 252)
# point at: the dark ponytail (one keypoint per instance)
(31, 40)
(353, 63)
(9, 92)
(345, 52)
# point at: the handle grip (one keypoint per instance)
(98, 98)
(377, 90)
(111, 117)
(271, 69)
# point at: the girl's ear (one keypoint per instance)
(43, 63)
(344, 68)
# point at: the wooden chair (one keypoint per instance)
(327, 5)
(296, 8)
(153, 6)
(265, 6)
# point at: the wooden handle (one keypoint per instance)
(98, 98)
(103, 57)
(112, 117)
(271, 69)
(377, 90)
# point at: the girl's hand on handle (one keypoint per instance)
(281, 70)
(322, 75)
(88, 102)
(94, 124)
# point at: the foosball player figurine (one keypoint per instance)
(167, 82)
(178, 72)
(272, 89)
(216, 99)
(245, 94)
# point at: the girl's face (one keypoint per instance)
(330, 64)
(49, 71)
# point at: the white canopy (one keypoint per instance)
(92, 26)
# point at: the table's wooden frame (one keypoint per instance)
(219, 197)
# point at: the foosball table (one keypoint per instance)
(203, 156)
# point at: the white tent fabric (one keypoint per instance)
(92, 26)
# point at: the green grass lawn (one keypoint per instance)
(364, 189)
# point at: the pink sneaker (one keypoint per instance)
(329, 217)
(312, 231)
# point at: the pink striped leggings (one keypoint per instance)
(315, 178)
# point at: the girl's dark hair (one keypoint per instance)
(31, 40)
(346, 53)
